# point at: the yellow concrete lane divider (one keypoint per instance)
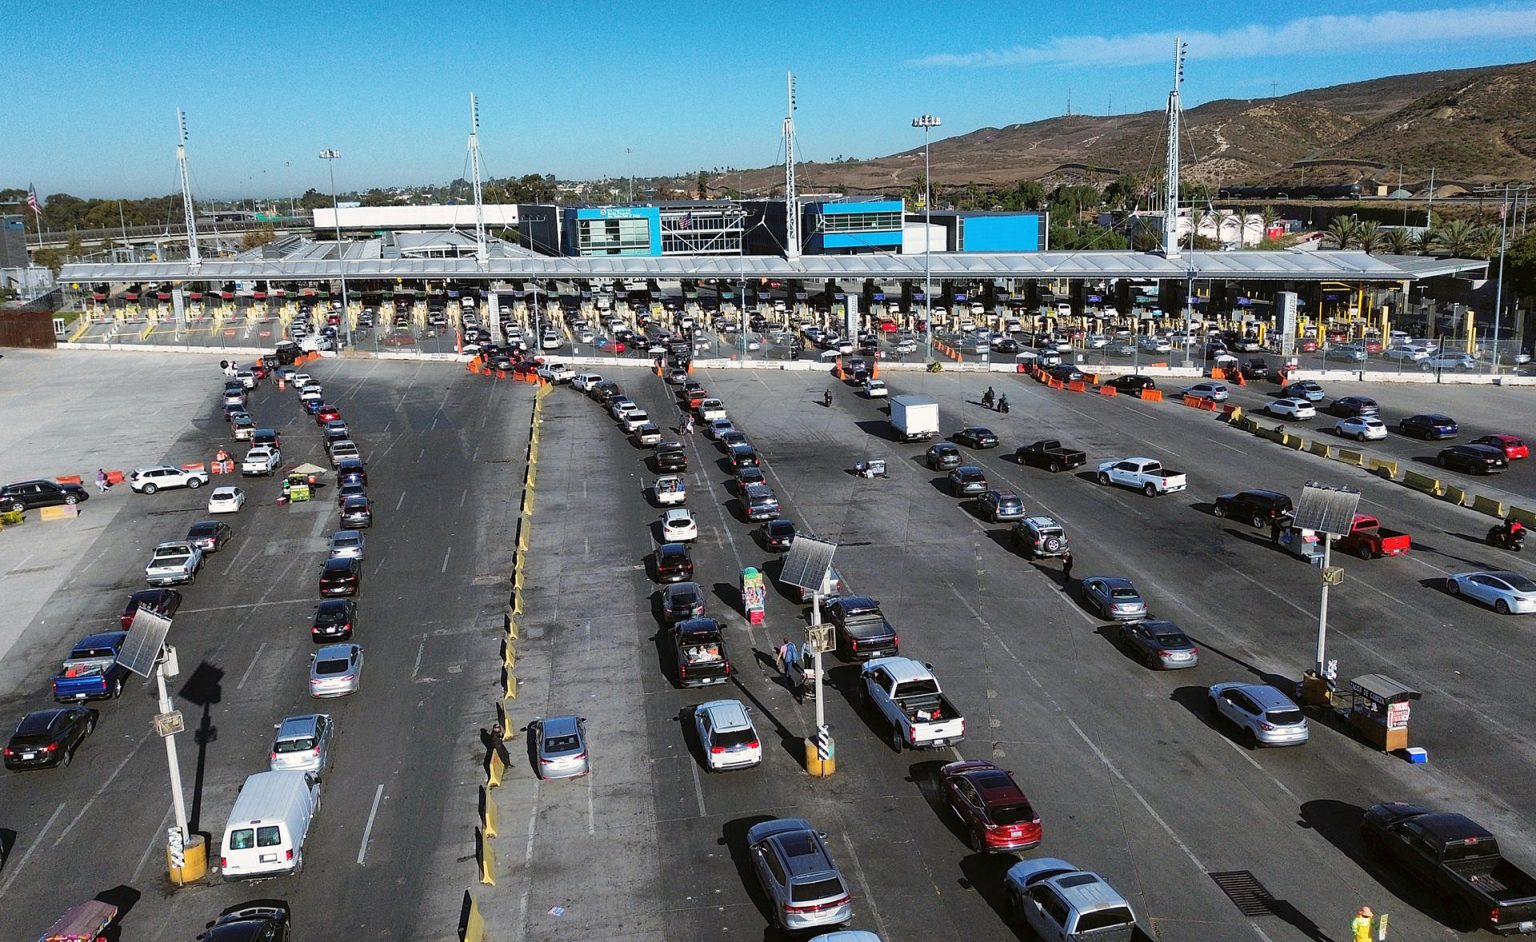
(508, 654)
(495, 768)
(1320, 449)
(1489, 506)
(474, 922)
(503, 721)
(509, 678)
(1350, 456)
(1422, 482)
(511, 622)
(1387, 469)
(1454, 494)
(1527, 517)
(487, 812)
(487, 861)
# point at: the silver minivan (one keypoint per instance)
(303, 743)
(805, 889)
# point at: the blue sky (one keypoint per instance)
(565, 88)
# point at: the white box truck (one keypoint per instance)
(268, 824)
(914, 418)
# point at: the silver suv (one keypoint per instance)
(804, 887)
(1040, 536)
(303, 743)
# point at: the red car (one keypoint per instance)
(994, 810)
(1307, 345)
(164, 601)
(326, 414)
(1512, 445)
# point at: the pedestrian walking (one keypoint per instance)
(1066, 567)
(1360, 926)
(101, 480)
(1275, 526)
(781, 656)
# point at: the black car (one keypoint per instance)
(777, 535)
(1254, 368)
(1006, 345)
(47, 738)
(968, 480)
(669, 456)
(680, 601)
(341, 576)
(24, 495)
(1258, 507)
(943, 457)
(1066, 374)
(673, 562)
(265, 921)
(333, 621)
(861, 628)
(209, 535)
(976, 436)
(1430, 425)
(1132, 385)
(351, 471)
(1350, 406)
(1473, 459)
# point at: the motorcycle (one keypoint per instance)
(1002, 405)
(1500, 537)
(986, 399)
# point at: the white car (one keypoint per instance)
(1461, 362)
(1405, 354)
(1361, 428)
(906, 346)
(300, 380)
(875, 388)
(727, 737)
(1216, 392)
(226, 500)
(1291, 409)
(1508, 592)
(1095, 341)
(634, 418)
(585, 381)
(1153, 345)
(261, 460)
(162, 477)
(716, 429)
(247, 378)
(622, 406)
(678, 525)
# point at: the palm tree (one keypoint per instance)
(1485, 242)
(1400, 242)
(1369, 236)
(1455, 238)
(1267, 216)
(1342, 232)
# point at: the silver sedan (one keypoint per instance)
(561, 746)
(1160, 645)
(1508, 592)
(1114, 597)
(336, 670)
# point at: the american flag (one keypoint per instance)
(686, 222)
(32, 203)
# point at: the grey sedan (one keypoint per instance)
(560, 746)
(348, 544)
(1159, 644)
(1263, 715)
(336, 670)
(1114, 597)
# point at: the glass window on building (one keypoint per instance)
(860, 222)
(614, 236)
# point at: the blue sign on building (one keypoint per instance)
(1000, 232)
(852, 227)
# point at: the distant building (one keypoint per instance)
(13, 242)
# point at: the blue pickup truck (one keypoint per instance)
(91, 671)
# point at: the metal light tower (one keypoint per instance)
(193, 257)
(791, 198)
(330, 157)
(1171, 209)
(482, 254)
(927, 122)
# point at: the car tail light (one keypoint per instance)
(8, 751)
(716, 750)
(53, 747)
(1266, 727)
(288, 854)
(816, 907)
(1162, 653)
(1493, 915)
(274, 756)
(223, 863)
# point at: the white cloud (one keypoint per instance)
(1307, 36)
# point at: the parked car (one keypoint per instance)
(1347, 353)
(727, 737)
(1349, 406)
(1258, 507)
(1159, 644)
(48, 738)
(560, 746)
(1131, 384)
(1405, 354)
(336, 670)
(1296, 409)
(1507, 592)
(25, 495)
(163, 477)
(1305, 389)
(1114, 597)
(805, 889)
(1513, 446)
(302, 743)
(1431, 425)
(994, 811)
(1459, 362)
(1361, 428)
(976, 436)
(1215, 392)
(1263, 715)
(1472, 459)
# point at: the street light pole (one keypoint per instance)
(330, 157)
(927, 122)
(1498, 293)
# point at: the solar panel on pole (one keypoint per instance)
(1327, 508)
(146, 636)
(807, 563)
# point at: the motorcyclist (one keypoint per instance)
(1002, 405)
(1513, 530)
(987, 398)
(826, 399)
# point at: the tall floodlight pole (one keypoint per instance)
(482, 254)
(193, 258)
(630, 173)
(791, 196)
(330, 157)
(927, 122)
(1171, 208)
(1498, 291)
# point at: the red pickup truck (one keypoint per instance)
(1368, 539)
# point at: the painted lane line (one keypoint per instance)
(254, 661)
(522, 902)
(19, 565)
(419, 652)
(362, 851)
(157, 839)
(1262, 771)
(445, 560)
(103, 787)
(399, 503)
(240, 605)
(463, 496)
(22, 863)
(698, 787)
(869, 898)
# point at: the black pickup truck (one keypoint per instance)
(1051, 456)
(861, 628)
(698, 652)
(1458, 859)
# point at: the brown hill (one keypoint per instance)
(1466, 124)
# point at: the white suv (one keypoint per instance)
(161, 477)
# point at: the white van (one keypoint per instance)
(268, 824)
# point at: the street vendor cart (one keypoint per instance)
(300, 482)
(84, 922)
(1378, 711)
(1307, 544)
(754, 595)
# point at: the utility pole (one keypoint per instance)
(482, 254)
(1171, 210)
(330, 157)
(1498, 291)
(791, 198)
(193, 259)
(927, 122)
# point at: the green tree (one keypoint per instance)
(1520, 264)
(1029, 194)
(313, 200)
(257, 237)
(1368, 236)
(50, 258)
(701, 186)
(74, 247)
(1267, 217)
(1342, 233)
(1399, 242)
(1456, 238)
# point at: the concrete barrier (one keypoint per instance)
(1387, 469)
(487, 862)
(1422, 482)
(1527, 517)
(1077, 386)
(1318, 448)
(1349, 456)
(1152, 395)
(1454, 494)
(1108, 391)
(1294, 441)
(59, 512)
(1489, 506)
(474, 922)
(487, 813)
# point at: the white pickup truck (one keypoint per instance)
(260, 460)
(710, 409)
(907, 695)
(173, 563)
(1143, 474)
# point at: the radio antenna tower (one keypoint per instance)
(194, 259)
(482, 254)
(791, 198)
(1171, 205)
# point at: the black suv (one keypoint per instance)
(669, 456)
(260, 921)
(1258, 507)
(24, 495)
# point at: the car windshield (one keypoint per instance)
(1288, 716)
(293, 745)
(331, 666)
(813, 890)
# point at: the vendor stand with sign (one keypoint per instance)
(1379, 711)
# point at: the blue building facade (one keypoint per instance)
(611, 230)
(852, 227)
(1001, 232)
